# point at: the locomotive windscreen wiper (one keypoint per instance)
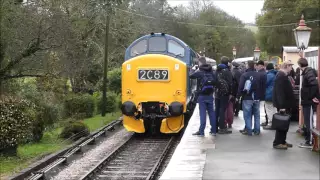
(178, 55)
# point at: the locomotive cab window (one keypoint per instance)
(139, 48)
(157, 44)
(175, 48)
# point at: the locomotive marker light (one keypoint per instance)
(256, 54)
(302, 35)
(234, 52)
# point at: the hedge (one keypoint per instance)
(74, 130)
(79, 106)
(17, 118)
(112, 102)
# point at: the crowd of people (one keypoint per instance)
(253, 87)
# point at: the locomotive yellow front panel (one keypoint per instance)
(158, 78)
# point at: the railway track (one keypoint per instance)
(137, 158)
(43, 169)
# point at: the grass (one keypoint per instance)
(98, 121)
(50, 143)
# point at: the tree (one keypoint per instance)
(285, 12)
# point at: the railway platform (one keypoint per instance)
(235, 156)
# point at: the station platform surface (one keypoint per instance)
(236, 156)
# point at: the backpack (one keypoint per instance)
(248, 84)
(207, 84)
(222, 85)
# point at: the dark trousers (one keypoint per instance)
(221, 107)
(236, 107)
(281, 136)
(308, 121)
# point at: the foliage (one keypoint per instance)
(17, 116)
(114, 80)
(286, 12)
(81, 106)
(75, 130)
(48, 144)
(112, 104)
(264, 56)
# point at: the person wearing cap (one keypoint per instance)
(283, 100)
(270, 110)
(236, 73)
(223, 94)
(309, 96)
(205, 97)
(263, 84)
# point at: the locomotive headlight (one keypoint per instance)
(128, 108)
(176, 108)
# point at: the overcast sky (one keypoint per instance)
(244, 10)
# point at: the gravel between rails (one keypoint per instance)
(79, 167)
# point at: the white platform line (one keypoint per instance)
(189, 157)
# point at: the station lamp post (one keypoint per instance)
(256, 54)
(302, 36)
(234, 52)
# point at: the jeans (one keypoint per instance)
(249, 108)
(206, 104)
(308, 121)
(221, 107)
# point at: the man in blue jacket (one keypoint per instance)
(207, 80)
(271, 76)
(263, 83)
(249, 88)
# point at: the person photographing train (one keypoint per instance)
(206, 77)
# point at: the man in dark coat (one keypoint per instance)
(309, 95)
(263, 86)
(223, 93)
(283, 100)
(236, 73)
(205, 98)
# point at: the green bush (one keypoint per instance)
(74, 130)
(111, 102)
(17, 121)
(114, 80)
(79, 106)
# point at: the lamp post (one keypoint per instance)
(234, 52)
(302, 35)
(256, 54)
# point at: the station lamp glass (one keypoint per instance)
(256, 53)
(302, 34)
(234, 51)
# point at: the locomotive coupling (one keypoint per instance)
(128, 108)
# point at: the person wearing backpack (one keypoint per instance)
(223, 94)
(249, 87)
(207, 79)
